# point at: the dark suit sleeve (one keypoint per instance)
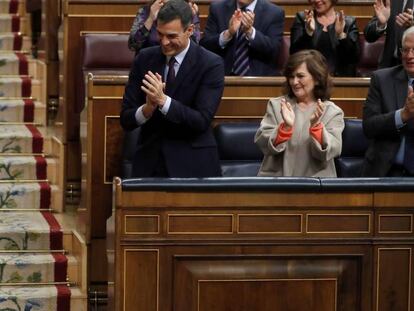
(133, 97)
(299, 39)
(376, 123)
(268, 41)
(370, 32)
(198, 116)
(348, 48)
(210, 39)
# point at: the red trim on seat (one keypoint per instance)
(23, 64)
(45, 195)
(63, 298)
(13, 6)
(17, 42)
(41, 166)
(37, 139)
(15, 23)
(26, 87)
(56, 234)
(61, 267)
(28, 115)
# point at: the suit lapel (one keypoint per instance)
(400, 88)
(229, 10)
(159, 63)
(258, 12)
(186, 67)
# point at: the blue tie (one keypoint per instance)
(170, 75)
(241, 54)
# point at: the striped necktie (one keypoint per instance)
(241, 54)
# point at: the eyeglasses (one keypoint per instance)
(406, 51)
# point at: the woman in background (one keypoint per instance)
(301, 132)
(143, 32)
(331, 33)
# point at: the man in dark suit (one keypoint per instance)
(388, 117)
(392, 17)
(260, 21)
(174, 116)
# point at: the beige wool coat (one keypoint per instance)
(301, 155)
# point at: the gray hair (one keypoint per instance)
(408, 31)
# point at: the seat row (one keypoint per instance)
(109, 52)
(240, 157)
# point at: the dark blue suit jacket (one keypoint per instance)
(264, 49)
(184, 136)
(387, 93)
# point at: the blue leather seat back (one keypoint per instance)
(354, 145)
(129, 146)
(239, 155)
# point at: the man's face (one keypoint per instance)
(173, 37)
(407, 54)
(243, 3)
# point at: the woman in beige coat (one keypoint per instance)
(301, 133)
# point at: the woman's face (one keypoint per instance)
(302, 83)
(321, 6)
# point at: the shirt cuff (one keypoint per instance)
(166, 106)
(380, 29)
(139, 116)
(253, 34)
(282, 134)
(316, 132)
(398, 120)
(223, 42)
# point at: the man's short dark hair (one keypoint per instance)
(175, 9)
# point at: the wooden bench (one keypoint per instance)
(261, 244)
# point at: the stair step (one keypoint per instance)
(23, 139)
(17, 87)
(14, 42)
(13, 23)
(22, 110)
(28, 196)
(39, 298)
(17, 63)
(29, 231)
(33, 268)
(10, 6)
(28, 168)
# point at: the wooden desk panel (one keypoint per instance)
(337, 254)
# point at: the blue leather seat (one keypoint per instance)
(239, 155)
(354, 145)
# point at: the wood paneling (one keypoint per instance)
(395, 223)
(265, 250)
(142, 224)
(394, 280)
(199, 224)
(339, 223)
(141, 274)
(270, 223)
